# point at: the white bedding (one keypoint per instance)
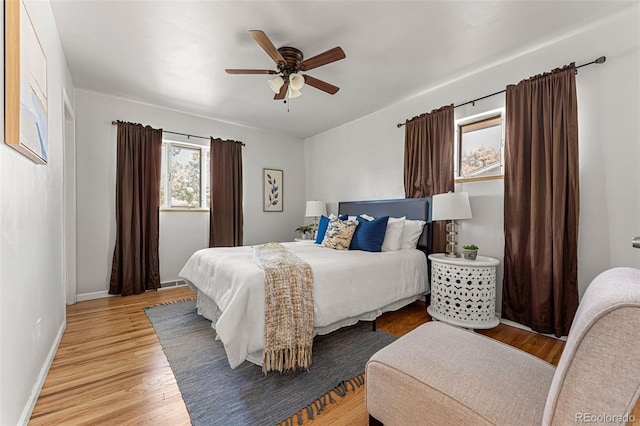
(348, 285)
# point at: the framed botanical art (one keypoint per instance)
(26, 98)
(272, 184)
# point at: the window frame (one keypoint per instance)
(480, 121)
(167, 145)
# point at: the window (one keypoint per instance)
(184, 183)
(480, 147)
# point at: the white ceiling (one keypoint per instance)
(173, 53)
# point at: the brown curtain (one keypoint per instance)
(135, 266)
(428, 160)
(225, 217)
(541, 202)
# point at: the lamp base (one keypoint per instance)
(315, 227)
(452, 239)
(451, 251)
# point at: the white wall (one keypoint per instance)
(31, 220)
(370, 160)
(181, 233)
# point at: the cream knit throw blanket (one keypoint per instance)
(288, 308)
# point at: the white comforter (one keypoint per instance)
(348, 285)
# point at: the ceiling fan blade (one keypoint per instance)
(261, 38)
(283, 91)
(325, 58)
(241, 71)
(320, 85)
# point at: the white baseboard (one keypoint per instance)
(524, 327)
(95, 295)
(175, 286)
(103, 294)
(35, 393)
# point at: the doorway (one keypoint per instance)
(69, 274)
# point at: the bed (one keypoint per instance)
(349, 286)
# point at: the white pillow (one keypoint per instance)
(411, 233)
(393, 234)
(367, 217)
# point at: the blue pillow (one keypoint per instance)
(369, 235)
(322, 227)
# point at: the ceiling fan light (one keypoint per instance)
(276, 83)
(292, 93)
(296, 81)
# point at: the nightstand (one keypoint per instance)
(463, 292)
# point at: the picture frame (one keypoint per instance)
(26, 90)
(272, 190)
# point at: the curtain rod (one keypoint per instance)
(115, 123)
(600, 60)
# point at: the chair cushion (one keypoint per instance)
(438, 374)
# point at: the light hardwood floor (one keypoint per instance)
(110, 367)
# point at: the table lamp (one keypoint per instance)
(451, 206)
(315, 209)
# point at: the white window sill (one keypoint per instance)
(184, 209)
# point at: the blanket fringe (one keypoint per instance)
(287, 359)
(317, 406)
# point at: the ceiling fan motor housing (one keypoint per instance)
(293, 57)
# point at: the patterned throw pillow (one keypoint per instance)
(322, 226)
(339, 234)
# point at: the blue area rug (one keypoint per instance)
(217, 395)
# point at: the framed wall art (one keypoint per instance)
(26, 98)
(272, 184)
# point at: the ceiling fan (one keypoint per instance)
(290, 63)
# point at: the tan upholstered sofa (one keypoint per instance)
(443, 375)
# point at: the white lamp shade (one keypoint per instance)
(276, 83)
(293, 93)
(451, 206)
(296, 81)
(316, 209)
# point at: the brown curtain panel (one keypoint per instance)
(541, 202)
(135, 266)
(225, 214)
(428, 161)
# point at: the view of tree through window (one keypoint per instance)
(480, 148)
(184, 177)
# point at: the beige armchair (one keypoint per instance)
(442, 375)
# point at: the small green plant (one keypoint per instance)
(305, 229)
(470, 247)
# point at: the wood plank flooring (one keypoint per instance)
(110, 368)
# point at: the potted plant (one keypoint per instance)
(470, 251)
(305, 229)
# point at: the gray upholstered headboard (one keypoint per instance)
(412, 208)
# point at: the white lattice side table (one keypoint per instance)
(463, 292)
